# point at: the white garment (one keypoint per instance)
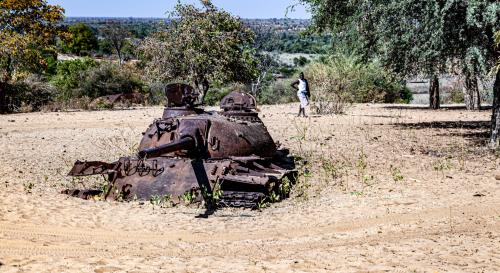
(302, 94)
(302, 86)
(303, 99)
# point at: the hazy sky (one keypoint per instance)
(157, 8)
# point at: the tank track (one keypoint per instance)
(240, 199)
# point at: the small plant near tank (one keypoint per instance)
(213, 197)
(362, 167)
(28, 186)
(285, 188)
(188, 197)
(163, 201)
(441, 165)
(396, 174)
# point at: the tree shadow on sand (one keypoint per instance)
(425, 107)
(477, 132)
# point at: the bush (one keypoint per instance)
(107, 79)
(343, 80)
(68, 76)
(87, 78)
(156, 94)
(278, 92)
(214, 96)
(330, 89)
(29, 94)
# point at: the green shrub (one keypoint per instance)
(214, 96)
(87, 78)
(69, 76)
(29, 94)
(156, 93)
(341, 80)
(107, 79)
(278, 92)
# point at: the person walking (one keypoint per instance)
(302, 87)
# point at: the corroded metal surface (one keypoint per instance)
(190, 152)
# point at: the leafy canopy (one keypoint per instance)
(82, 41)
(200, 45)
(27, 31)
(414, 37)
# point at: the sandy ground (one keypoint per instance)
(386, 189)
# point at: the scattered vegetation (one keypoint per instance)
(28, 187)
(342, 80)
(164, 201)
(188, 197)
(396, 174)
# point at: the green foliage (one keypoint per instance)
(278, 92)
(28, 29)
(82, 41)
(343, 80)
(300, 61)
(164, 201)
(412, 37)
(69, 76)
(188, 197)
(279, 37)
(30, 94)
(105, 47)
(212, 198)
(118, 36)
(396, 174)
(214, 96)
(87, 78)
(107, 79)
(272, 35)
(200, 46)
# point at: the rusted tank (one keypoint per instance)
(227, 157)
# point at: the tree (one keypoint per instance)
(412, 43)
(426, 37)
(495, 117)
(200, 45)
(82, 40)
(468, 29)
(117, 35)
(27, 31)
(267, 64)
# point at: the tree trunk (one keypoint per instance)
(495, 117)
(3, 100)
(472, 97)
(120, 59)
(434, 92)
(478, 97)
(202, 86)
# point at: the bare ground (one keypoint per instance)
(385, 189)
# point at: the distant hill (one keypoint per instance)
(276, 34)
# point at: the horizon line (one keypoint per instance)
(163, 18)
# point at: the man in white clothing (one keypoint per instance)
(302, 87)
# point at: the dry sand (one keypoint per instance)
(388, 190)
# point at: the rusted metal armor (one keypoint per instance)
(193, 151)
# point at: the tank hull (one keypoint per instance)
(225, 158)
(240, 181)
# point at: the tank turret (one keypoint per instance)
(189, 150)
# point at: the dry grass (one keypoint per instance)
(381, 189)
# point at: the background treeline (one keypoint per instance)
(71, 62)
(283, 35)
